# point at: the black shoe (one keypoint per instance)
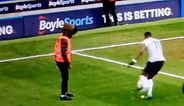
(69, 94)
(148, 98)
(65, 98)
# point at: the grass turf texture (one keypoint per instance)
(36, 82)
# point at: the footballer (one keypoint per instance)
(155, 63)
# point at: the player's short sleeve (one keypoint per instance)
(144, 42)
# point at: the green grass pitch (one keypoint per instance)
(36, 82)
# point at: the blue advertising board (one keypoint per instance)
(88, 1)
(182, 8)
(147, 12)
(53, 23)
(42, 24)
(5, 0)
(94, 18)
(36, 5)
(11, 28)
(7, 8)
(31, 5)
(62, 3)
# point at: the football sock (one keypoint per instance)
(150, 84)
(144, 81)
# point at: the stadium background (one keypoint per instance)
(48, 16)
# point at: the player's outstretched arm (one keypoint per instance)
(143, 49)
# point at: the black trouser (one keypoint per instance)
(63, 67)
(109, 7)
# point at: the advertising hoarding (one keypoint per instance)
(182, 8)
(53, 23)
(62, 3)
(94, 18)
(42, 24)
(144, 12)
(11, 28)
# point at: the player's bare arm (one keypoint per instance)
(143, 49)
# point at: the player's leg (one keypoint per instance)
(156, 67)
(106, 12)
(113, 12)
(143, 78)
(65, 77)
(150, 86)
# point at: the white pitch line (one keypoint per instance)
(86, 49)
(104, 47)
(124, 44)
(28, 57)
(125, 64)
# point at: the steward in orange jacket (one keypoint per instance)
(63, 58)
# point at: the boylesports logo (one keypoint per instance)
(3, 9)
(46, 25)
(60, 3)
(88, 1)
(28, 6)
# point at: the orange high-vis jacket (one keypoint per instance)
(58, 47)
